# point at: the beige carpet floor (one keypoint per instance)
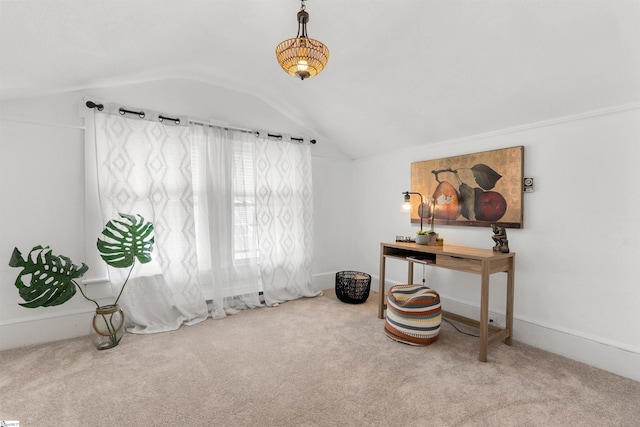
(310, 362)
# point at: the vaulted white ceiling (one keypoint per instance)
(401, 73)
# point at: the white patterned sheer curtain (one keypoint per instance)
(285, 221)
(224, 188)
(232, 214)
(253, 218)
(144, 168)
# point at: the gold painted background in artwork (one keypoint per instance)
(507, 162)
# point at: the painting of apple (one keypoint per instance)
(489, 205)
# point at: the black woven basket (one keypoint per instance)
(352, 286)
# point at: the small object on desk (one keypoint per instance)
(439, 241)
(500, 239)
(432, 238)
(422, 239)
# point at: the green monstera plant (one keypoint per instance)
(52, 278)
(125, 242)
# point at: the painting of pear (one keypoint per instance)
(451, 210)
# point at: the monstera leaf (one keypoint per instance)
(51, 277)
(127, 240)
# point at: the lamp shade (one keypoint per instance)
(406, 205)
(302, 57)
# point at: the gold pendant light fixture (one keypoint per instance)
(301, 56)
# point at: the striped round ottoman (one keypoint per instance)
(413, 314)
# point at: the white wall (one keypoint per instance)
(577, 283)
(333, 220)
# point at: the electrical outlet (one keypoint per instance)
(527, 185)
(493, 320)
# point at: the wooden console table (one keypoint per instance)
(484, 262)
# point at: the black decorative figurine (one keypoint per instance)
(500, 238)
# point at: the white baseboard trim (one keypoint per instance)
(617, 358)
(45, 317)
(43, 329)
(599, 354)
(322, 281)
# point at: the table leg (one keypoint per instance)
(484, 313)
(410, 273)
(382, 297)
(510, 285)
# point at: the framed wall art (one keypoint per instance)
(477, 189)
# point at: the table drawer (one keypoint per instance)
(459, 263)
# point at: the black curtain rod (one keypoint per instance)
(176, 120)
(293, 138)
(195, 122)
(301, 140)
(141, 114)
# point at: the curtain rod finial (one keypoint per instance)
(91, 104)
